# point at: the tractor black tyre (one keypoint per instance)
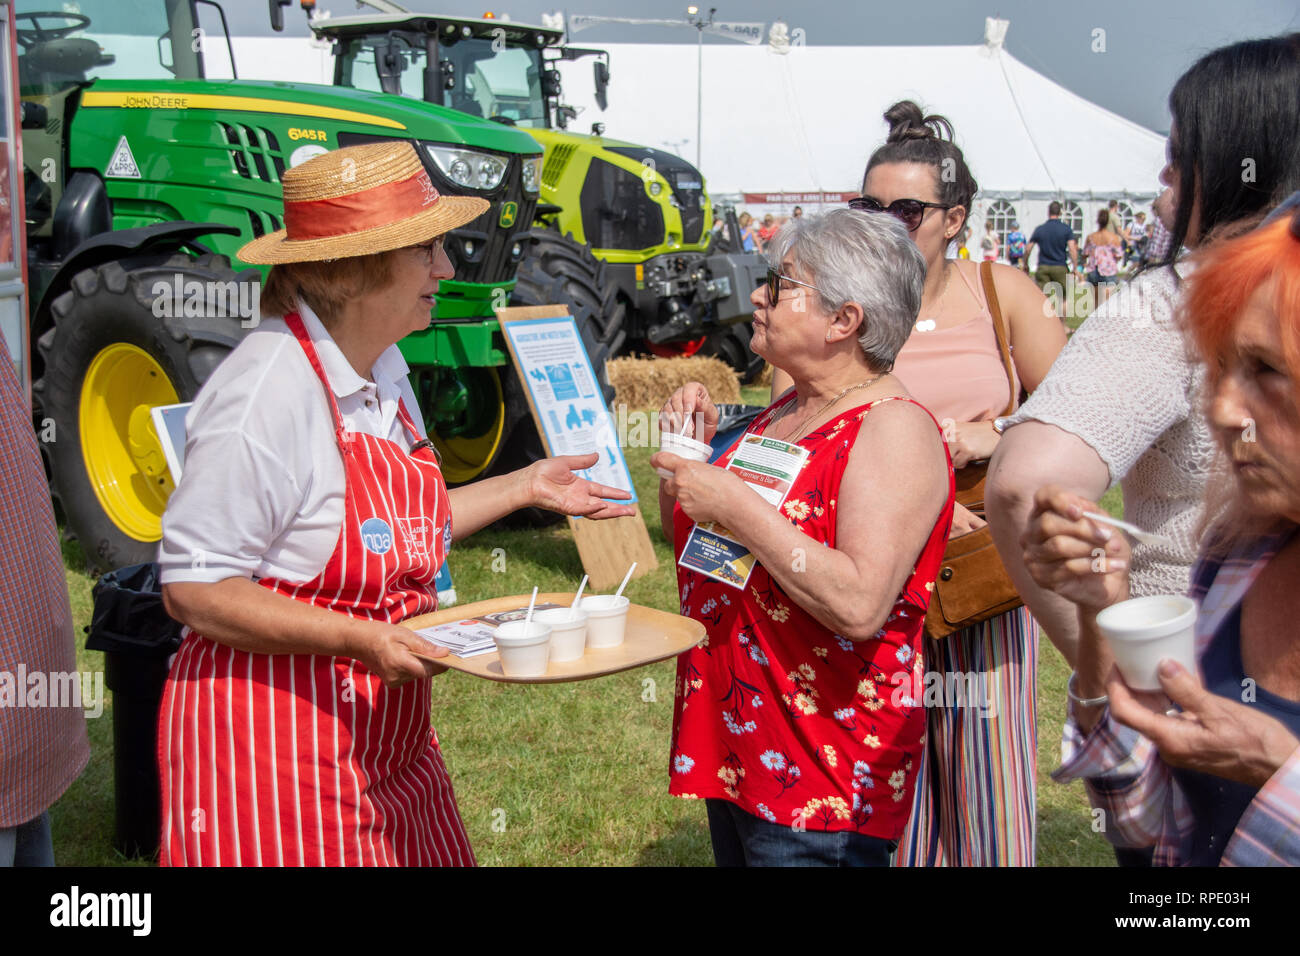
(731, 344)
(558, 270)
(114, 304)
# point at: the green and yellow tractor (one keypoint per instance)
(142, 180)
(644, 214)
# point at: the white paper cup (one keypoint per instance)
(606, 619)
(687, 448)
(568, 637)
(524, 646)
(1144, 631)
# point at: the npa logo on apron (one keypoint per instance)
(377, 536)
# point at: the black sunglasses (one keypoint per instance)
(774, 286)
(908, 211)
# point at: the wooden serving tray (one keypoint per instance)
(651, 636)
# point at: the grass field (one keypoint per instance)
(567, 773)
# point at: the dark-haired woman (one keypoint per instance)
(1121, 404)
(1104, 250)
(974, 802)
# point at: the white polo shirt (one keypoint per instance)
(262, 491)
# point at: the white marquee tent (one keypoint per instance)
(806, 120)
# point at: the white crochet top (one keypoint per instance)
(1126, 385)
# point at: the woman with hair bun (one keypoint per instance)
(974, 802)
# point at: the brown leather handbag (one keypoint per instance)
(972, 585)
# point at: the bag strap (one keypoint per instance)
(991, 296)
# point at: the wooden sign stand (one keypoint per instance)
(607, 548)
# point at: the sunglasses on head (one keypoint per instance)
(774, 280)
(909, 212)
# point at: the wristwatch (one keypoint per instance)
(1000, 423)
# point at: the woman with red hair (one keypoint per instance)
(1209, 770)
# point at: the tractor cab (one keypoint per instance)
(643, 212)
(144, 178)
(60, 53)
(490, 68)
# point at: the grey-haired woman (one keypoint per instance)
(798, 720)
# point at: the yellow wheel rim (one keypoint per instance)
(124, 460)
(465, 457)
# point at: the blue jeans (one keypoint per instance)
(742, 839)
(28, 844)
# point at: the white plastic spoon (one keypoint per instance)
(627, 577)
(1145, 537)
(573, 608)
(531, 604)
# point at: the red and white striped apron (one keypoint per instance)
(300, 759)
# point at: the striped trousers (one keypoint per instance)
(974, 803)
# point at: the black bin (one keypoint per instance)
(137, 637)
(733, 419)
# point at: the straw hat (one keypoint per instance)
(357, 201)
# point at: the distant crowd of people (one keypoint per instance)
(1114, 248)
(754, 235)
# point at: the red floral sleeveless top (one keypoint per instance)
(779, 715)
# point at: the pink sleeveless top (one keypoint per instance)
(957, 372)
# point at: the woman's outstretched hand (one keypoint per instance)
(552, 483)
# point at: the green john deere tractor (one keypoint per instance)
(142, 181)
(633, 222)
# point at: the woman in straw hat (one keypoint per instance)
(312, 518)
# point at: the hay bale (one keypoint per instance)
(647, 382)
(765, 376)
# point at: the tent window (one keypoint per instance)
(1072, 216)
(1002, 214)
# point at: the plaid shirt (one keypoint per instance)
(1160, 239)
(42, 748)
(1126, 778)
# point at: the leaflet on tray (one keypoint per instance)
(770, 467)
(473, 636)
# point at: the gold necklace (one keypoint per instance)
(808, 422)
(929, 325)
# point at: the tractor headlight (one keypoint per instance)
(468, 167)
(532, 173)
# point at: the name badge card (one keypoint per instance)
(770, 467)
